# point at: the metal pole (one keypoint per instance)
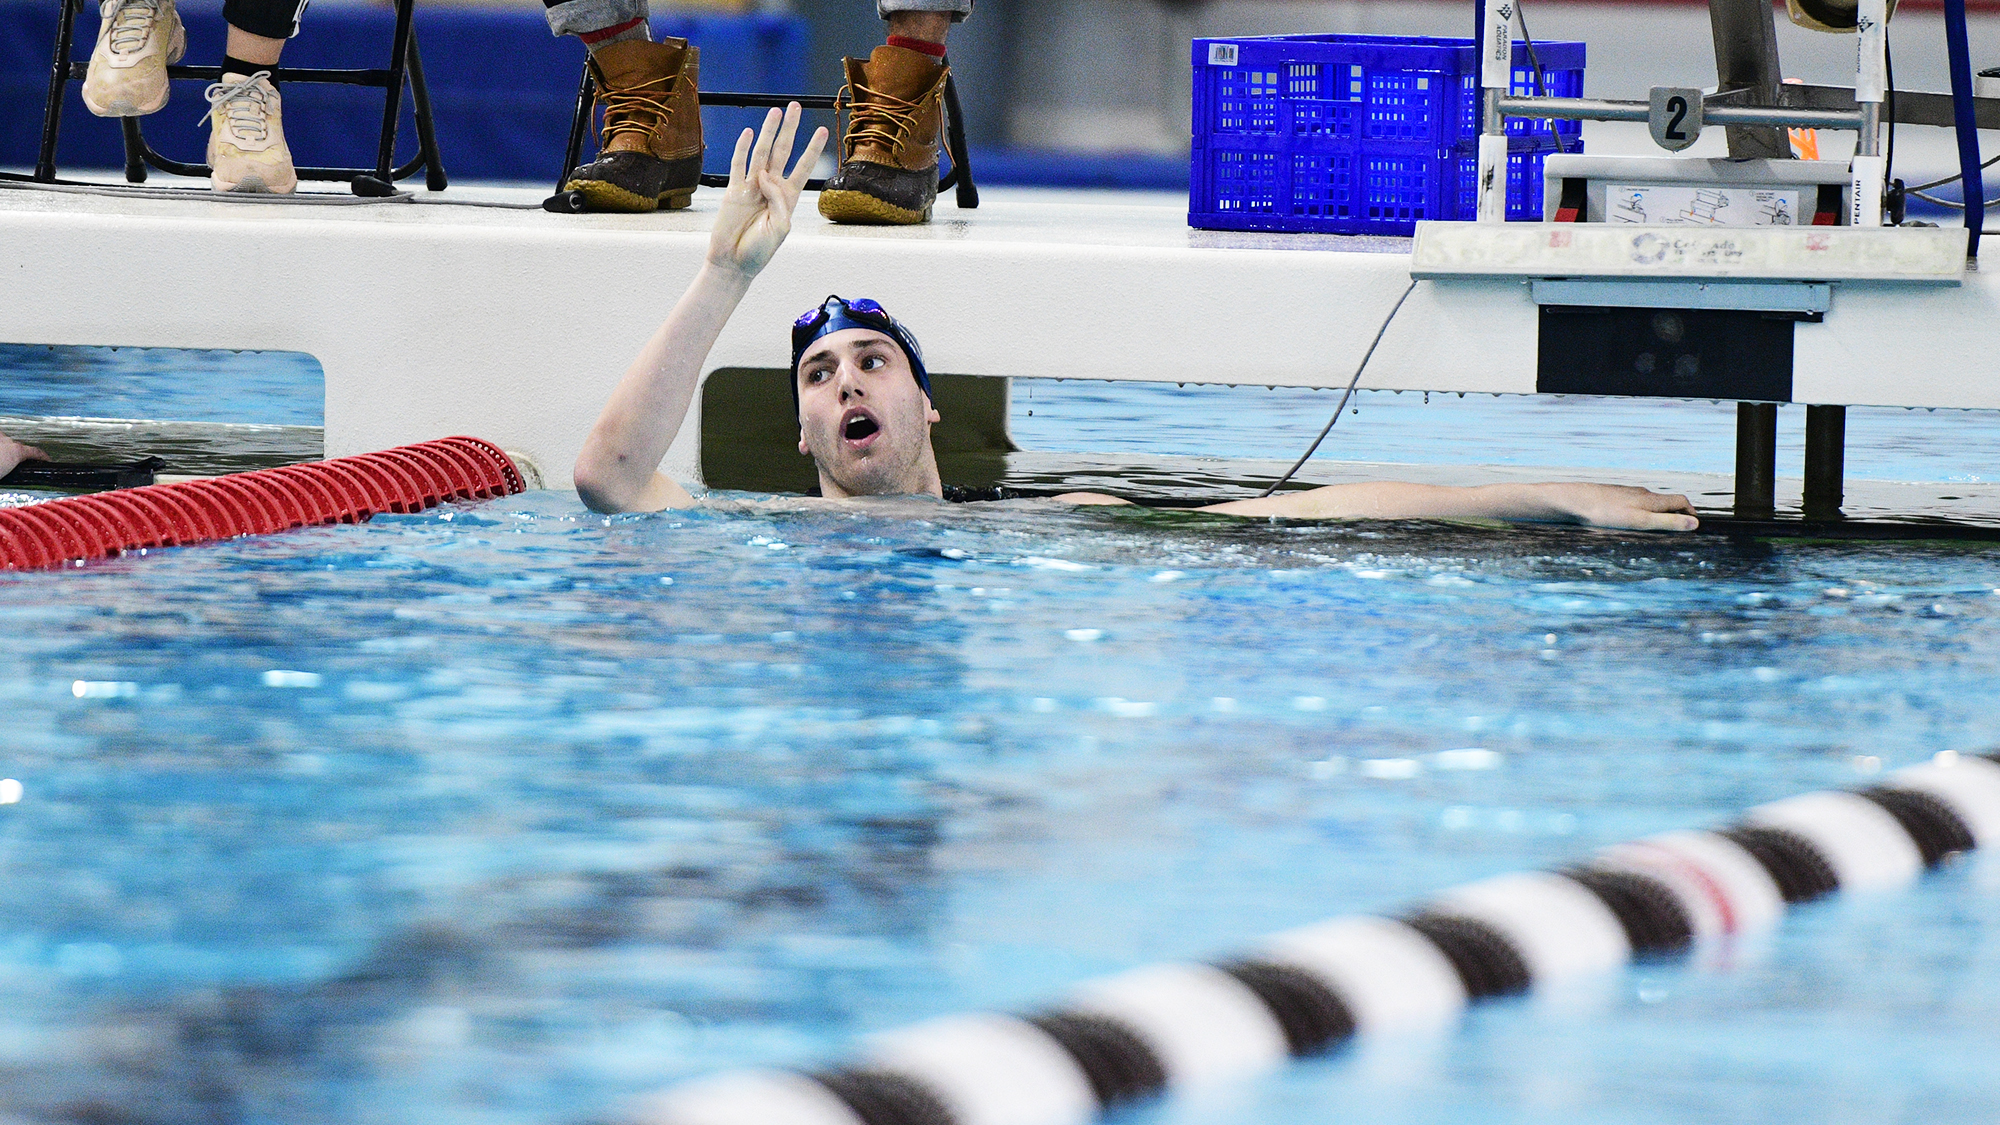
(1756, 460)
(1826, 454)
(1712, 112)
(1496, 77)
(1870, 87)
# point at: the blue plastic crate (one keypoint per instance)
(1360, 134)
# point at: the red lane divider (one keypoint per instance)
(409, 478)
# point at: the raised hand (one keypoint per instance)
(756, 212)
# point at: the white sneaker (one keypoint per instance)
(128, 67)
(246, 141)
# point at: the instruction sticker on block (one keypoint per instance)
(1709, 205)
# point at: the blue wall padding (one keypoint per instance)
(502, 87)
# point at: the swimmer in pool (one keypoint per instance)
(863, 393)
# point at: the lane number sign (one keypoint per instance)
(1674, 115)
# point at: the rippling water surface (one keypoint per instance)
(506, 812)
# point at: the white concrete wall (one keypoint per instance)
(514, 325)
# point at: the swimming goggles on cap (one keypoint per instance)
(836, 314)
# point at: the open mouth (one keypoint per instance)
(858, 428)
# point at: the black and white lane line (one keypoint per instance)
(1161, 1028)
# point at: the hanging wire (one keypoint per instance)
(1889, 75)
(1346, 394)
(1919, 190)
(1953, 179)
(1541, 76)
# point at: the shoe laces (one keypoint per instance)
(245, 106)
(131, 23)
(884, 118)
(636, 109)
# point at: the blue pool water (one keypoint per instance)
(507, 812)
(1083, 416)
(171, 384)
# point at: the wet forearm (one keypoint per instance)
(1394, 500)
(617, 469)
(1603, 505)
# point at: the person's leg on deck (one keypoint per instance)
(246, 136)
(649, 153)
(127, 77)
(889, 153)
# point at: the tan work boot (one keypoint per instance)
(128, 68)
(246, 140)
(889, 154)
(649, 156)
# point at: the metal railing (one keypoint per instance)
(1691, 109)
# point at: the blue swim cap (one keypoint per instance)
(836, 314)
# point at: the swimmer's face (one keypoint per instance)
(862, 416)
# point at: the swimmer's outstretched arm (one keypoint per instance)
(1600, 505)
(12, 453)
(618, 470)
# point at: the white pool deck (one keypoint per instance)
(513, 325)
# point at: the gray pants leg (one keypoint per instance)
(573, 17)
(578, 17)
(959, 9)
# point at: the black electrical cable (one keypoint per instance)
(207, 195)
(435, 201)
(1888, 174)
(1889, 75)
(1345, 395)
(1953, 178)
(15, 181)
(1541, 76)
(1953, 204)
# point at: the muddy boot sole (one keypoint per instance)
(862, 208)
(603, 195)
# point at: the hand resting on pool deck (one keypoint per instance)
(863, 393)
(12, 453)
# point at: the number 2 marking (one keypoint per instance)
(1678, 106)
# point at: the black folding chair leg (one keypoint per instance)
(392, 105)
(420, 102)
(45, 160)
(579, 124)
(139, 149)
(135, 150)
(954, 139)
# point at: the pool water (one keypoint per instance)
(508, 812)
(270, 400)
(176, 384)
